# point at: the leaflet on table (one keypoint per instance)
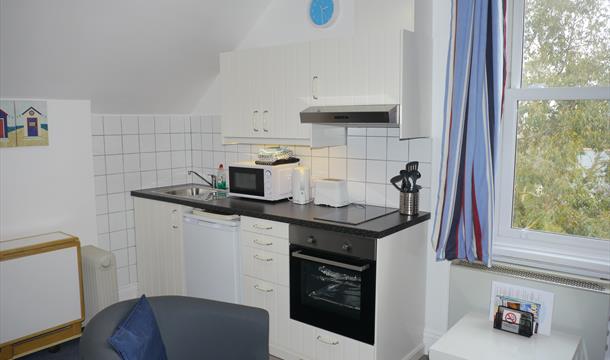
(538, 302)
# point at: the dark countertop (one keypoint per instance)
(286, 211)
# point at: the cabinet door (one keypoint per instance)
(261, 294)
(298, 90)
(159, 247)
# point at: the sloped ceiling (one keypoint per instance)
(127, 56)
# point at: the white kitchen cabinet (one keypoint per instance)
(265, 265)
(159, 247)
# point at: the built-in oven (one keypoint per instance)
(332, 282)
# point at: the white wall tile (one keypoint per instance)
(101, 204)
(230, 158)
(300, 151)
(207, 142)
(420, 150)
(217, 142)
(146, 124)
(426, 172)
(132, 181)
(195, 124)
(338, 151)
(147, 143)
(102, 223)
(149, 179)
(177, 142)
(206, 124)
(112, 125)
(319, 167)
(130, 124)
(114, 183)
(392, 196)
(178, 159)
(118, 240)
(375, 194)
(116, 221)
(377, 132)
(356, 147)
(132, 255)
(195, 141)
(116, 202)
(207, 159)
(148, 161)
(97, 143)
(376, 148)
(128, 201)
(131, 237)
(320, 152)
(97, 125)
(177, 124)
(164, 177)
(179, 176)
(356, 191)
(100, 185)
(130, 219)
(133, 274)
(219, 158)
(162, 142)
(131, 144)
(426, 202)
(393, 168)
(114, 164)
(376, 171)
(162, 124)
(113, 144)
(394, 132)
(356, 170)
(216, 124)
(122, 258)
(398, 149)
(99, 165)
(103, 241)
(356, 131)
(244, 148)
(196, 159)
(337, 168)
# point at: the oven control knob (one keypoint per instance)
(267, 173)
(311, 240)
(346, 247)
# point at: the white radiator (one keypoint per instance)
(99, 280)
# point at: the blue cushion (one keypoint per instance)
(138, 336)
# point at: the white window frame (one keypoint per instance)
(566, 253)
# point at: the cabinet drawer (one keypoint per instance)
(318, 344)
(264, 242)
(265, 265)
(265, 227)
(264, 295)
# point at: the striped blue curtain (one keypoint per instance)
(473, 107)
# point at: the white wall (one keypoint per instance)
(50, 188)
(286, 22)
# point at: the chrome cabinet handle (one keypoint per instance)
(261, 227)
(257, 287)
(254, 115)
(265, 115)
(174, 226)
(258, 242)
(175, 211)
(262, 258)
(328, 342)
(314, 87)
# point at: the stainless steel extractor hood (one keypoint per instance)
(352, 115)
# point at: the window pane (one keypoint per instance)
(562, 175)
(566, 43)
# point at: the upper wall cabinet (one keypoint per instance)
(265, 89)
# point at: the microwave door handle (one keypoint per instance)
(300, 255)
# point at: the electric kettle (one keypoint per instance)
(301, 188)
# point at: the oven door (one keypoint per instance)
(246, 181)
(333, 292)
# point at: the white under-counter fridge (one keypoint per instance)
(211, 257)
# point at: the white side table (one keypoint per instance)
(474, 338)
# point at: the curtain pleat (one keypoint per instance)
(473, 108)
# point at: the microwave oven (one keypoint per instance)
(262, 182)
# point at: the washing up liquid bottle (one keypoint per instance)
(221, 178)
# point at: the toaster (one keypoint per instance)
(331, 192)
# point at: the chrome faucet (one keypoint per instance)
(214, 182)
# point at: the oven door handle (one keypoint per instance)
(300, 255)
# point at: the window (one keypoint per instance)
(553, 191)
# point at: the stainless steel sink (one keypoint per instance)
(191, 191)
(196, 192)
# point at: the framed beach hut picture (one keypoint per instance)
(8, 134)
(32, 123)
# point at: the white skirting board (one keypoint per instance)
(128, 292)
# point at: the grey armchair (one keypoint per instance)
(191, 328)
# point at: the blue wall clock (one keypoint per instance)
(322, 13)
